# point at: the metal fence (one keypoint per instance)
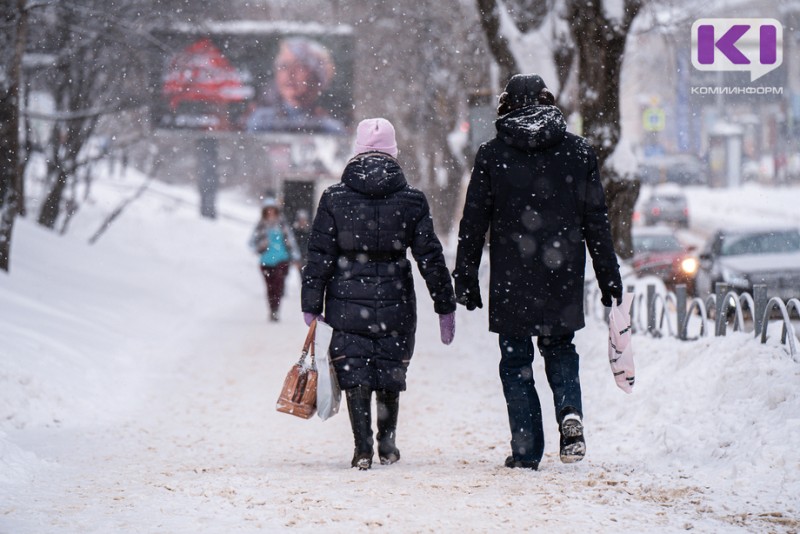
(672, 313)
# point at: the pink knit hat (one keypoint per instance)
(376, 134)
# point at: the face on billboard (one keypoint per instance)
(259, 83)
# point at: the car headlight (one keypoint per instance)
(689, 265)
(734, 278)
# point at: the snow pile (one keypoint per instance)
(623, 161)
(614, 10)
(533, 50)
(83, 325)
(750, 205)
(138, 379)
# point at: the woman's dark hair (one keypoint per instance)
(266, 209)
(507, 104)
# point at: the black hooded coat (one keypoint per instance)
(536, 189)
(357, 266)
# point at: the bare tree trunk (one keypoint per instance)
(9, 153)
(82, 84)
(51, 207)
(65, 163)
(25, 152)
(601, 46)
(10, 161)
(621, 198)
(566, 61)
(489, 13)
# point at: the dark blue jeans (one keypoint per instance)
(524, 409)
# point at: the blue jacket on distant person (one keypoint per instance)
(275, 243)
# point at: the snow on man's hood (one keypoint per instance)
(375, 174)
(532, 127)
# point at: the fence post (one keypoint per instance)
(680, 294)
(207, 177)
(632, 289)
(760, 305)
(651, 308)
(720, 291)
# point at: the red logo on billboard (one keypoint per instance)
(200, 73)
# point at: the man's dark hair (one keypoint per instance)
(507, 105)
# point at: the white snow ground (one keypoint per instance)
(138, 379)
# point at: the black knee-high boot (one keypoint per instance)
(359, 407)
(388, 409)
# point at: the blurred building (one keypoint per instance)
(744, 130)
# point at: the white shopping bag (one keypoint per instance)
(329, 396)
(620, 351)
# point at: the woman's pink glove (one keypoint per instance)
(447, 327)
(310, 317)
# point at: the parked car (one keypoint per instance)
(743, 257)
(658, 252)
(666, 205)
(683, 169)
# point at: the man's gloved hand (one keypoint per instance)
(310, 317)
(607, 296)
(468, 295)
(447, 327)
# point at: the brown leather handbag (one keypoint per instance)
(299, 394)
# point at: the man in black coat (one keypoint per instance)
(536, 189)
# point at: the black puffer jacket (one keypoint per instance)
(537, 189)
(357, 265)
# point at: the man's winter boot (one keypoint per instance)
(359, 407)
(388, 409)
(573, 446)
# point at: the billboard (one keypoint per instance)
(254, 78)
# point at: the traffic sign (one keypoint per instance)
(654, 119)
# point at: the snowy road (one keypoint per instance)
(188, 439)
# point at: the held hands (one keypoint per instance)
(447, 324)
(447, 327)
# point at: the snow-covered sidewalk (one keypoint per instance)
(138, 379)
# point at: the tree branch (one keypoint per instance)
(81, 114)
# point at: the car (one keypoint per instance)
(658, 252)
(743, 257)
(683, 169)
(666, 205)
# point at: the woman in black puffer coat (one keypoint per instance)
(357, 269)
